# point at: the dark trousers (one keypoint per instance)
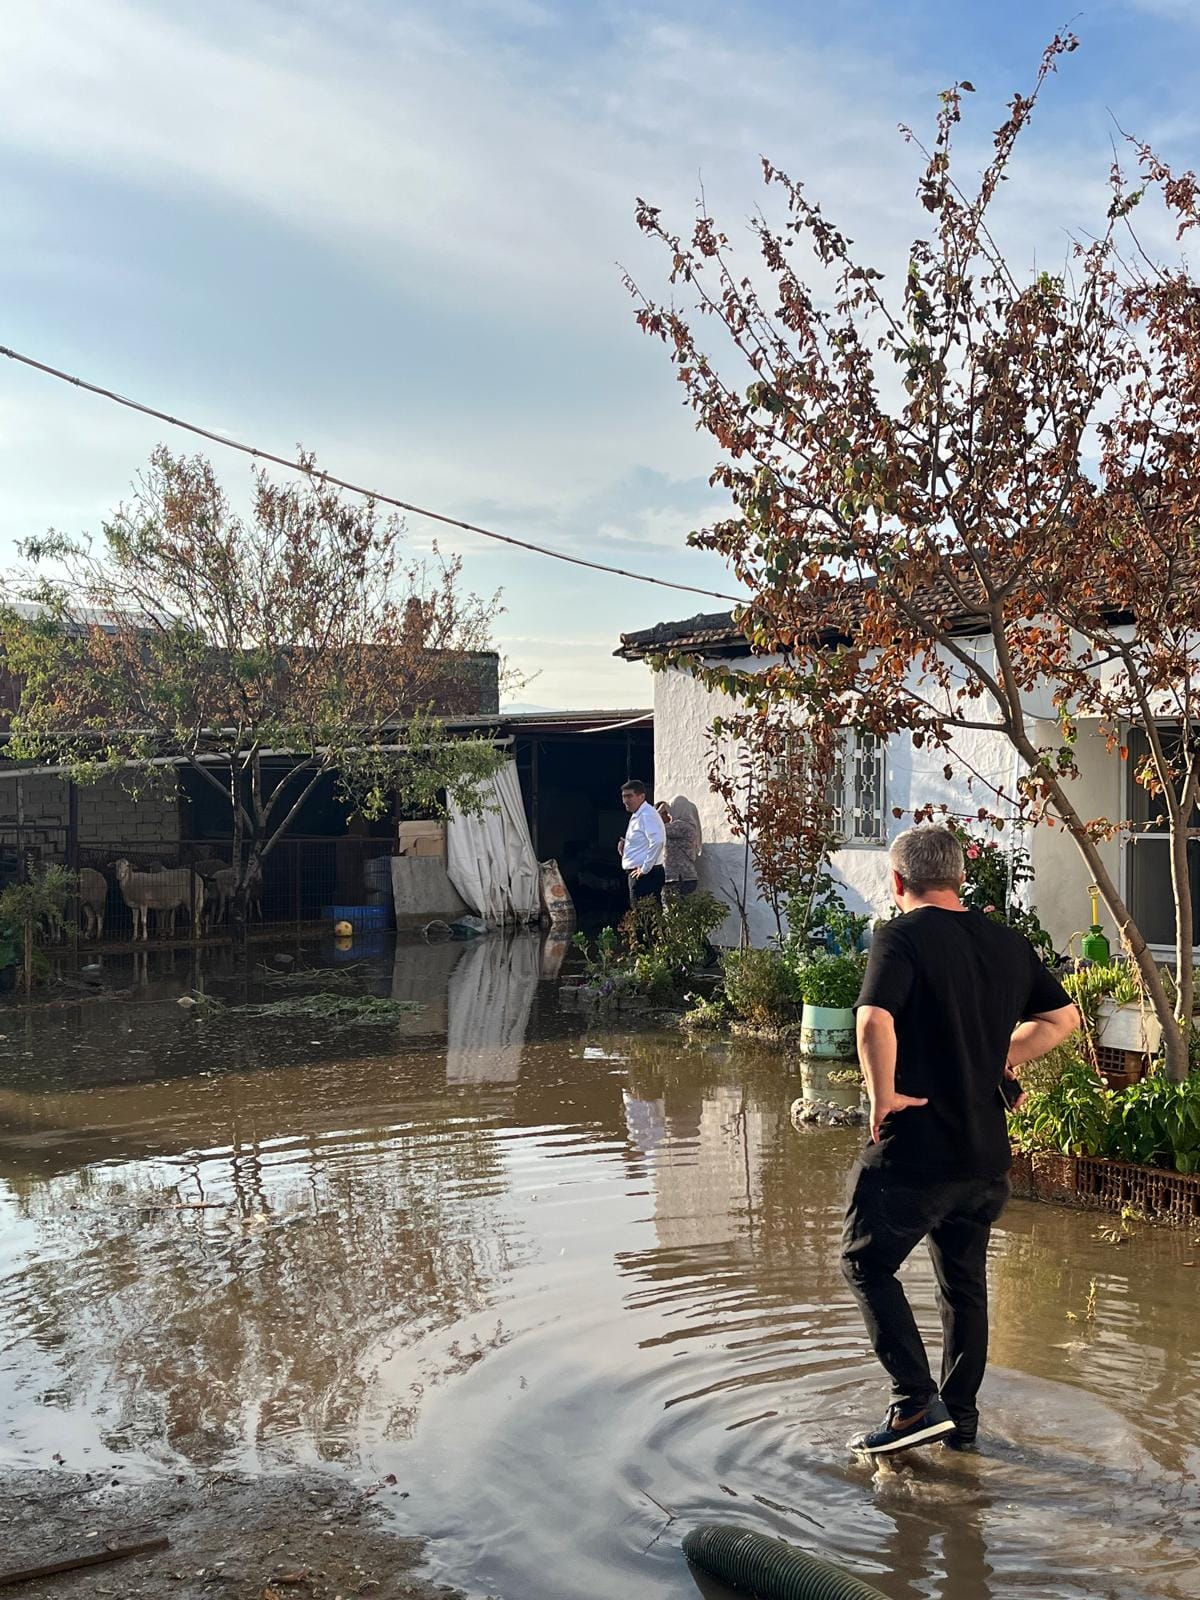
(680, 888)
(647, 885)
(887, 1217)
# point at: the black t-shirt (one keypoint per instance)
(957, 985)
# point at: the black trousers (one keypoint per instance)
(886, 1218)
(647, 885)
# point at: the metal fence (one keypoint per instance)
(301, 878)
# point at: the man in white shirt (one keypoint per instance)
(644, 845)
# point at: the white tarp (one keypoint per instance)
(490, 996)
(490, 857)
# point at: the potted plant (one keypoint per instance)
(829, 986)
(1119, 1013)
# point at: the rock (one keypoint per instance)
(186, 1001)
(826, 1114)
(281, 960)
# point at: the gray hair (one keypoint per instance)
(928, 858)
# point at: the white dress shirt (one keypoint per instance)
(645, 840)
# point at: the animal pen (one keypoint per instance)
(301, 877)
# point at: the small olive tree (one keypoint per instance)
(190, 636)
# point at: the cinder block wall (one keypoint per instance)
(108, 813)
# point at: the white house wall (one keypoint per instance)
(684, 711)
(1060, 876)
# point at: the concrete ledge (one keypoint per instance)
(421, 889)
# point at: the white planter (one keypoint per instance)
(828, 1032)
(1127, 1027)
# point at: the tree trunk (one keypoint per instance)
(1177, 1058)
(1174, 1040)
(27, 951)
(238, 908)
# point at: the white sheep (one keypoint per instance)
(166, 890)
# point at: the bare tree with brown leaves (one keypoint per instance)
(971, 504)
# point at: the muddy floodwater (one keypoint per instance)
(575, 1285)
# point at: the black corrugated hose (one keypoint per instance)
(769, 1568)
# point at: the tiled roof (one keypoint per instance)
(716, 633)
(710, 631)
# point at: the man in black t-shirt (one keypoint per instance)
(951, 1004)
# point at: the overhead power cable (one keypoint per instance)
(355, 488)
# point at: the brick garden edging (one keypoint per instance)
(1095, 1185)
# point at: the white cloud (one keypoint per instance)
(474, 163)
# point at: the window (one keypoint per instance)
(1149, 885)
(858, 793)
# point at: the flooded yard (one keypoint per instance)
(575, 1286)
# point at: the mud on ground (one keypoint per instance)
(297, 1537)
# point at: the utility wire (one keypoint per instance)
(354, 488)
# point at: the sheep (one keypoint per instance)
(93, 897)
(223, 890)
(144, 892)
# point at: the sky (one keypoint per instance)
(395, 233)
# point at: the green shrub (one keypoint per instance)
(705, 1014)
(821, 919)
(656, 947)
(992, 877)
(761, 986)
(1073, 1116)
(600, 959)
(29, 910)
(1154, 1123)
(832, 981)
(1157, 1123)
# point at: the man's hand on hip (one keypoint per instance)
(884, 1107)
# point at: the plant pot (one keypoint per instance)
(827, 1032)
(814, 1081)
(1127, 1027)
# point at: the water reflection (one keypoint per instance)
(569, 1285)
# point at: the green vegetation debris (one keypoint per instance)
(349, 976)
(339, 1010)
